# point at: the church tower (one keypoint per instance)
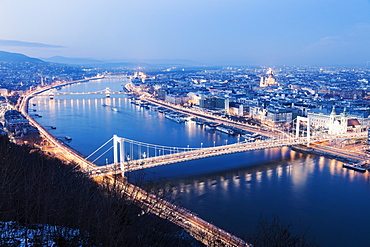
(333, 114)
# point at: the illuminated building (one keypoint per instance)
(334, 123)
(268, 80)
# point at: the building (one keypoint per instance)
(15, 121)
(4, 91)
(268, 80)
(278, 116)
(236, 109)
(334, 123)
(194, 98)
(20, 129)
(272, 115)
(177, 99)
(213, 102)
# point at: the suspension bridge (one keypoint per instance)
(130, 155)
(107, 92)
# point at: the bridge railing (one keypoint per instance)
(196, 153)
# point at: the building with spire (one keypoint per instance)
(335, 123)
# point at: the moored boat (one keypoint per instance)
(362, 167)
(225, 130)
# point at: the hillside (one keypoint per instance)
(72, 61)
(38, 190)
(17, 57)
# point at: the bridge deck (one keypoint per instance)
(150, 162)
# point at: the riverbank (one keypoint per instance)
(330, 153)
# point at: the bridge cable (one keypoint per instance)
(99, 148)
(102, 154)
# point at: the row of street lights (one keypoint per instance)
(176, 150)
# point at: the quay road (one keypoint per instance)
(270, 132)
(150, 162)
(342, 152)
(201, 230)
(263, 130)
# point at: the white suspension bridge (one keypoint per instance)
(107, 92)
(130, 155)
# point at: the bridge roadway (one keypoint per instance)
(209, 152)
(92, 93)
(208, 234)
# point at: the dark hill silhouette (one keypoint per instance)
(17, 57)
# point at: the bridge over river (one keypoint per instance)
(107, 92)
(150, 155)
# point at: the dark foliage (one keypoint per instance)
(276, 233)
(37, 189)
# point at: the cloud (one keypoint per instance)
(358, 34)
(4, 42)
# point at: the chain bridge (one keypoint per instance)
(130, 155)
(107, 92)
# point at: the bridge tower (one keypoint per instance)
(107, 92)
(51, 94)
(307, 120)
(119, 142)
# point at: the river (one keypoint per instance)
(232, 191)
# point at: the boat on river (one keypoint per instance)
(174, 117)
(225, 130)
(361, 167)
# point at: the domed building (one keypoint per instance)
(269, 79)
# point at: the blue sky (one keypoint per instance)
(232, 32)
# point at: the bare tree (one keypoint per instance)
(276, 233)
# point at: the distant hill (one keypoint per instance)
(72, 61)
(120, 62)
(173, 62)
(17, 57)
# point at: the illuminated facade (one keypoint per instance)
(268, 80)
(272, 116)
(338, 123)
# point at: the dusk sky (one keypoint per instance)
(231, 32)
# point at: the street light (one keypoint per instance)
(214, 143)
(226, 141)
(201, 145)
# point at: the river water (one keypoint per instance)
(232, 191)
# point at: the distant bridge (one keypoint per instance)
(107, 92)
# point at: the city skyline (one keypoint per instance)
(225, 32)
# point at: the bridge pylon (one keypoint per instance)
(307, 120)
(107, 92)
(119, 154)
